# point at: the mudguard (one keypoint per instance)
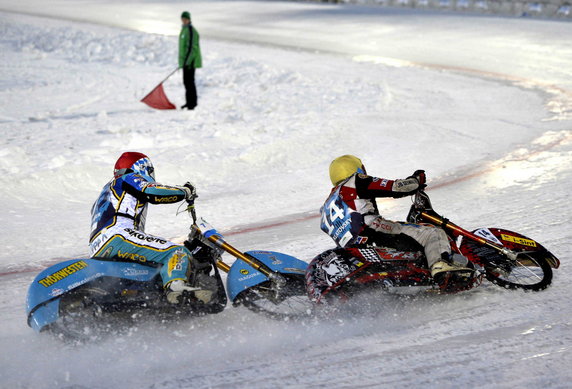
(42, 303)
(476, 252)
(242, 276)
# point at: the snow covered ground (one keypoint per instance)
(483, 105)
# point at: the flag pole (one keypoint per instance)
(170, 74)
(165, 79)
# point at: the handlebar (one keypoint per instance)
(218, 241)
(191, 208)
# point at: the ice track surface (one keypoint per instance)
(270, 119)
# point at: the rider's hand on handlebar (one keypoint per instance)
(419, 175)
(190, 191)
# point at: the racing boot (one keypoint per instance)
(207, 288)
(175, 289)
(453, 272)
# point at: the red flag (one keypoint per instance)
(157, 99)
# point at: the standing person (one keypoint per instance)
(189, 59)
(352, 200)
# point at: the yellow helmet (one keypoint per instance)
(344, 167)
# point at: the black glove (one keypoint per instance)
(419, 175)
(190, 191)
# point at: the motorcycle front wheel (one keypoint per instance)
(530, 271)
(288, 302)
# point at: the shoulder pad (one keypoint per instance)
(136, 180)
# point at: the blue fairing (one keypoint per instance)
(47, 288)
(242, 276)
(44, 315)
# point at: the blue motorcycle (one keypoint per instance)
(79, 298)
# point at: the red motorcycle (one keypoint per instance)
(505, 258)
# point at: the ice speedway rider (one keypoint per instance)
(351, 217)
(118, 226)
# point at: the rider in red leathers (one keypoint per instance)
(350, 216)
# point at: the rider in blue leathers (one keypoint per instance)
(118, 224)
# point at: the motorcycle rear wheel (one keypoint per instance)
(81, 318)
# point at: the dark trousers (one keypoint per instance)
(190, 88)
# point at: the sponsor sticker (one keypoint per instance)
(135, 272)
(132, 256)
(170, 199)
(56, 292)
(518, 240)
(146, 238)
(63, 273)
(176, 262)
(248, 276)
(341, 228)
(244, 271)
(487, 234)
(85, 280)
(98, 243)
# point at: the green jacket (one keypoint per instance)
(189, 49)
